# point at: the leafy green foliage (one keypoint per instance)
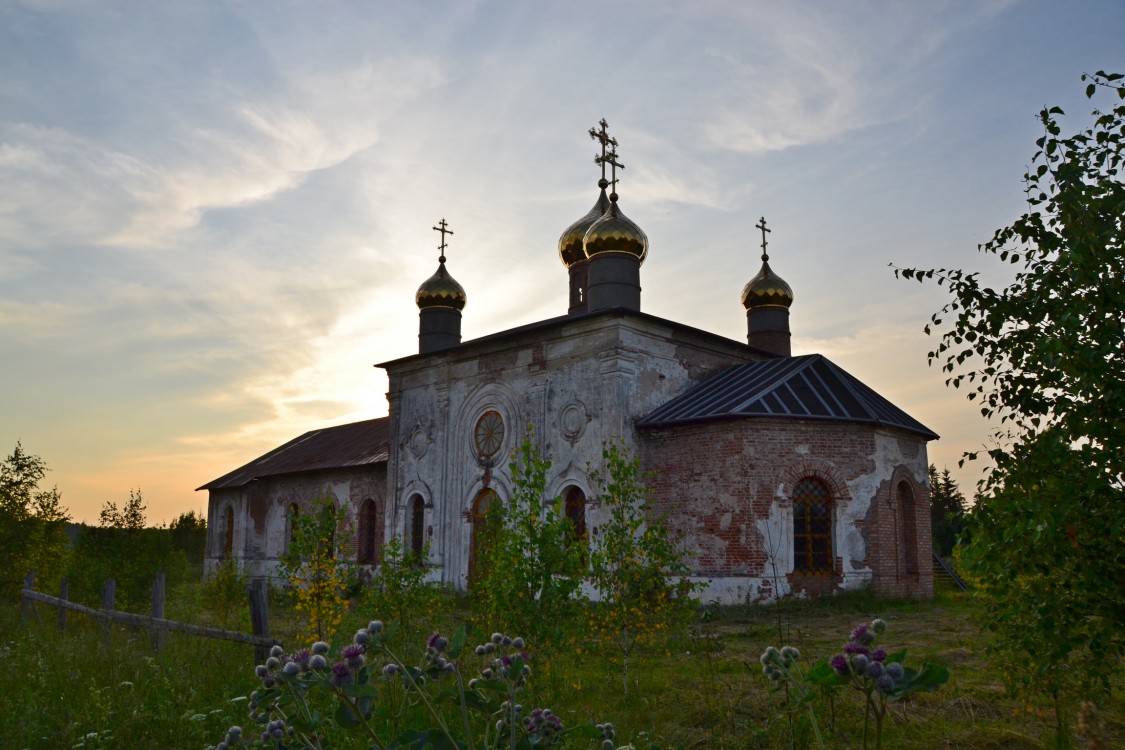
(638, 570)
(400, 588)
(32, 524)
(319, 579)
(131, 556)
(947, 511)
(1046, 357)
(224, 595)
(532, 573)
(189, 534)
(130, 516)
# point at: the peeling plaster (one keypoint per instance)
(776, 535)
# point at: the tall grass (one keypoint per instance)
(704, 690)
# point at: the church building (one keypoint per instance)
(779, 474)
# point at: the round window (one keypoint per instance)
(488, 435)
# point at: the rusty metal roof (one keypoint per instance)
(343, 446)
(806, 387)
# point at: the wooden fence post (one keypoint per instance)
(27, 606)
(64, 593)
(158, 610)
(109, 589)
(259, 615)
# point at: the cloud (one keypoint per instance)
(810, 75)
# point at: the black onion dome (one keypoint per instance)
(570, 243)
(440, 290)
(614, 232)
(766, 289)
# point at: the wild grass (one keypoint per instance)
(703, 690)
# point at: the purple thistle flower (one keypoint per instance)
(886, 683)
(301, 658)
(879, 655)
(859, 633)
(839, 663)
(353, 655)
(437, 642)
(341, 674)
(874, 670)
(854, 648)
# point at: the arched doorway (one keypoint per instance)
(575, 507)
(909, 527)
(483, 532)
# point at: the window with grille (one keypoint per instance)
(812, 527)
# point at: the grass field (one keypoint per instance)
(702, 691)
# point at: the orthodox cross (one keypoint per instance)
(602, 137)
(611, 159)
(444, 229)
(762, 225)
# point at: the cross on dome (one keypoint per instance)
(444, 229)
(762, 225)
(602, 137)
(610, 158)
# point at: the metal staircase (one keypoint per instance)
(942, 570)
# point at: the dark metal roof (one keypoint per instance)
(347, 445)
(806, 387)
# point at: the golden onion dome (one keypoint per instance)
(614, 232)
(570, 243)
(766, 289)
(440, 290)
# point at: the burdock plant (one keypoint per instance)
(879, 676)
(485, 713)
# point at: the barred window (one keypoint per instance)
(812, 527)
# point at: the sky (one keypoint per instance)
(214, 215)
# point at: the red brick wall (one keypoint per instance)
(715, 481)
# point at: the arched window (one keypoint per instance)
(291, 514)
(417, 527)
(368, 551)
(483, 532)
(228, 532)
(909, 526)
(576, 514)
(812, 527)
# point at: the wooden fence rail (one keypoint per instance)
(259, 615)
